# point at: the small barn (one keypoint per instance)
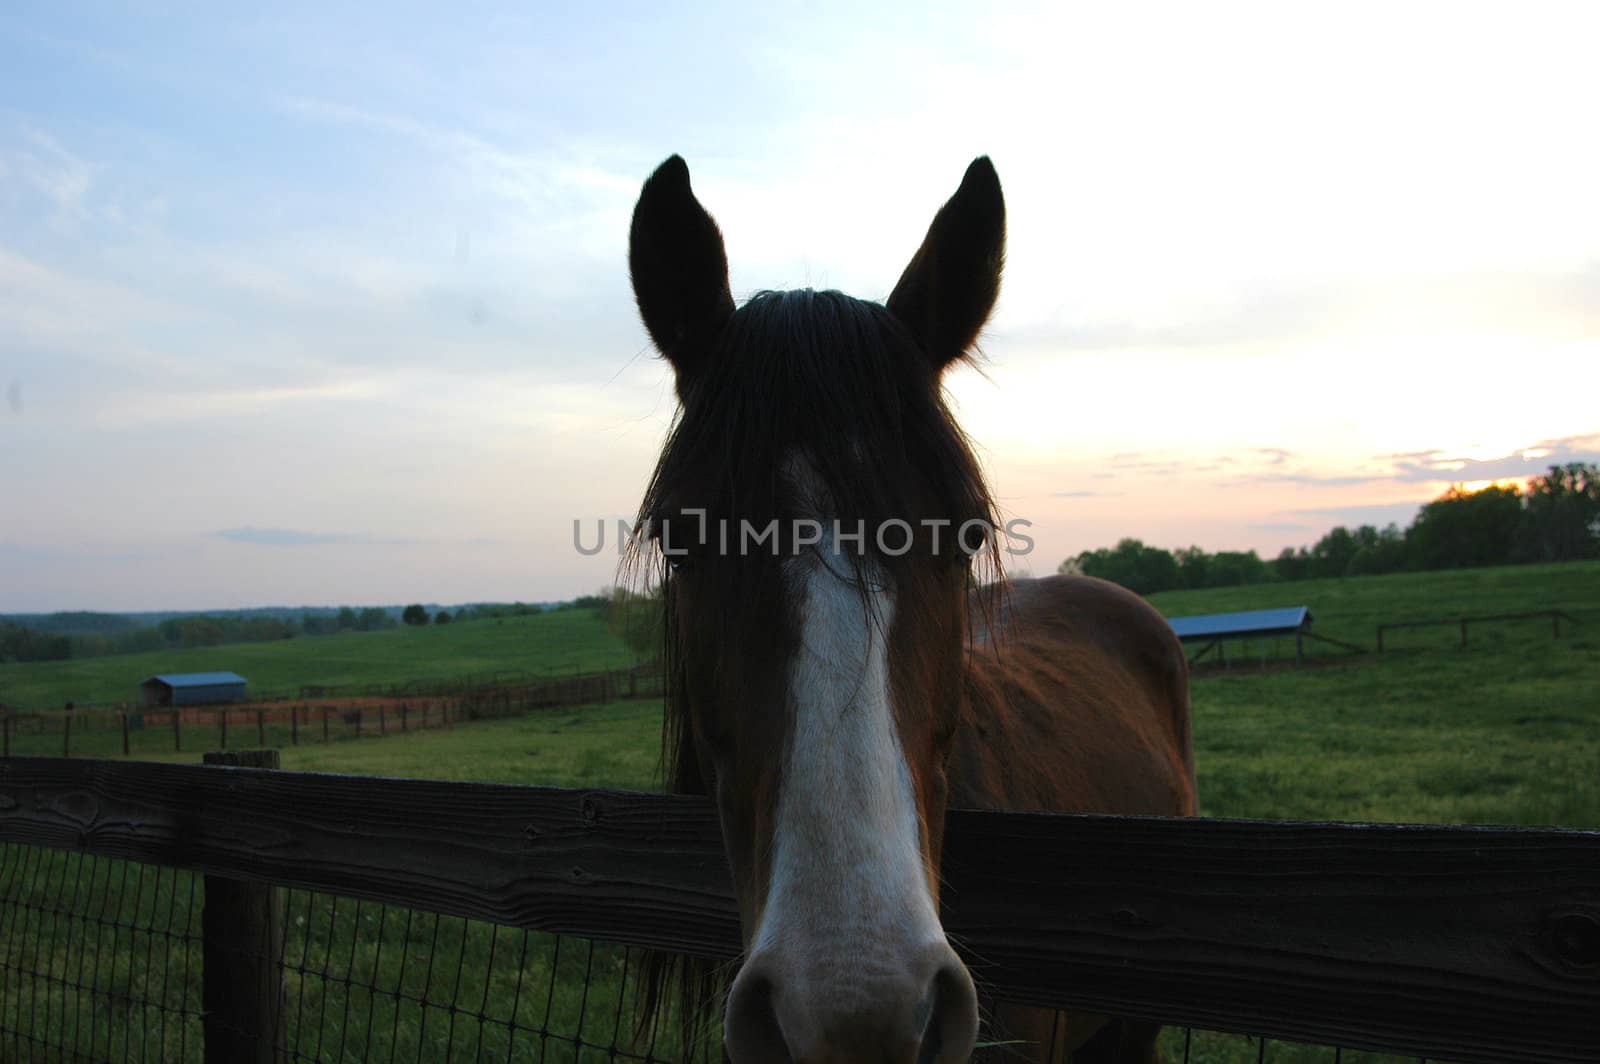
(1254, 624)
(192, 689)
(1215, 629)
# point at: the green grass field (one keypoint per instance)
(1503, 731)
(561, 641)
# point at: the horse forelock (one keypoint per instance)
(841, 383)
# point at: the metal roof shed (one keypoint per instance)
(1252, 624)
(192, 689)
(1214, 629)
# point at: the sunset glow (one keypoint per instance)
(359, 275)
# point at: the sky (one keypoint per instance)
(328, 304)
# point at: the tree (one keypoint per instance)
(1292, 564)
(1135, 566)
(18, 643)
(1561, 514)
(346, 619)
(637, 619)
(1378, 551)
(593, 602)
(373, 619)
(1462, 528)
(1194, 564)
(442, 617)
(415, 614)
(1231, 568)
(1332, 553)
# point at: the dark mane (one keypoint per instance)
(842, 382)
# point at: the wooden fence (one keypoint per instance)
(1555, 617)
(107, 732)
(1473, 944)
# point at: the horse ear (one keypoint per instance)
(679, 268)
(948, 290)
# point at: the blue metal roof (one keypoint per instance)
(1239, 625)
(198, 679)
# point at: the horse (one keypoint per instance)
(839, 669)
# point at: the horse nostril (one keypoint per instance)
(752, 1033)
(951, 1011)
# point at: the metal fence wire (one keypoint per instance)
(102, 960)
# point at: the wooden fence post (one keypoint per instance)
(122, 715)
(222, 723)
(359, 715)
(177, 729)
(324, 723)
(1380, 639)
(242, 955)
(383, 725)
(261, 727)
(66, 735)
(403, 708)
(294, 725)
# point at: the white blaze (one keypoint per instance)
(848, 895)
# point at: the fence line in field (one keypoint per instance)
(103, 732)
(1463, 943)
(1555, 617)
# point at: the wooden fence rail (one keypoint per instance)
(1473, 944)
(1556, 617)
(100, 731)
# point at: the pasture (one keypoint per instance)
(1503, 731)
(557, 642)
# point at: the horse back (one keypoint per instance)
(1077, 701)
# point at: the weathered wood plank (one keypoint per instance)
(242, 956)
(1463, 943)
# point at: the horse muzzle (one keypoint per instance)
(853, 1008)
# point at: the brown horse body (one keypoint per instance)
(835, 683)
(1077, 702)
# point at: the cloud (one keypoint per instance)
(1431, 466)
(1437, 466)
(1258, 318)
(1379, 514)
(1319, 480)
(56, 173)
(1145, 462)
(1279, 526)
(288, 537)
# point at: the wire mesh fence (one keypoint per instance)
(99, 959)
(103, 960)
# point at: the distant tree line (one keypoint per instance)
(416, 614)
(1556, 519)
(65, 636)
